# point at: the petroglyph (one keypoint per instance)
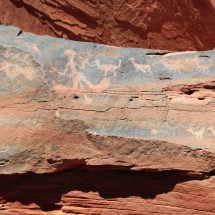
(16, 63)
(212, 130)
(82, 62)
(202, 67)
(197, 133)
(200, 133)
(172, 65)
(186, 65)
(79, 80)
(14, 70)
(108, 68)
(140, 67)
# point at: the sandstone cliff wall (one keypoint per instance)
(93, 129)
(157, 24)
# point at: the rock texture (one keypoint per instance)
(106, 192)
(157, 24)
(94, 129)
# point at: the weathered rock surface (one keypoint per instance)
(157, 24)
(106, 192)
(145, 118)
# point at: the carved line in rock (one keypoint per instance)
(76, 68)
(199, 133)
(80, 81)
(185, 65)
(171, 65)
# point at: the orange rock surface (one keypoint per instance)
(106, 192)
(157, 24)
(54, 157)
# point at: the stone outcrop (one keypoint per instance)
(95, 129)
(106, 192)
(156, 24)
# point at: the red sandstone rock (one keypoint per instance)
(155, 152)
(157, 24)
(106, 192)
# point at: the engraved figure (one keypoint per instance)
(14, 70)
(108, 68)
(197, 133)
(182, 65)
(212, 130)
(84, 62)
(79, 81)
(172, 65)
(140, 67)
(202, 67)
(78, 77)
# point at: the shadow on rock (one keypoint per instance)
(47, 189)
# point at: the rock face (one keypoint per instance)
(156, 24)
(94, 129)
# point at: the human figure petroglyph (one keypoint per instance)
(78, 77)
(197, 133)
(140, 67)
(79, 80)
(108, 68)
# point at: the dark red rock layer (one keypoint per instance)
(106, 192)
(157, 24)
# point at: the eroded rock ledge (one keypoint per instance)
(156, 24)
(106, 192)
(91, 127)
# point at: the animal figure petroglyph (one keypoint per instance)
(140, 67)
(212, 130)
(108, 68)
(202, 67)
(197, 133)
(172, 65)
(178, 65)
(14, 70)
